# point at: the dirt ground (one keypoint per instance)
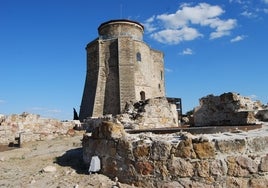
(27, 166)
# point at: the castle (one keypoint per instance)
(120, 67)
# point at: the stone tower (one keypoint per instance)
(120, 67)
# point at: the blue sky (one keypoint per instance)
(210, 47)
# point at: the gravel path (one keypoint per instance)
(52, 163)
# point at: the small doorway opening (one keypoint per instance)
(142, 94)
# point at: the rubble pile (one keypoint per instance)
(31, 127)
(180, 159)
(150, 113)
(226, 109)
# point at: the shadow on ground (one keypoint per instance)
(73, 158)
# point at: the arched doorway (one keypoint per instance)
(142, 94)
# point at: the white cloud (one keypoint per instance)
(187, 51)
(149, 24)
(168, 70)
(170, 36)
(190, 15)
(54, 111)
(265, 1)
(45, 111)
(2, 101)
(238, 38)
(248, 14)
(183, 25)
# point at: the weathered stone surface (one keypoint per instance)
(226, 109)
(241, 166)
(218, 168)
(262, 115)
(108, 130)
(170, 184)
(236, 182)
(261, 182)
(161, 170)
(231, 146)
(188, 183)
(160, 150)
(264, 164)
(247, 163)
(141, 152)
(204, 150)
(144, 167)
(202, 168)
(182, 159)
(31, 127)
(147, 114)
(185, 149)
(257, 144)
(151, 113)
(179, 167)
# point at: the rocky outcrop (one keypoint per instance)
(31, 127)
(226, 109)
(180, 159)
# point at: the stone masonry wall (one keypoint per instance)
(31, 127)
(114, 73)
(180, 160)
(148, 114)
(226, 109)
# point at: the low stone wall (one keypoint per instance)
(180, 159)
(31, 127)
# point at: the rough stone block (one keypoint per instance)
(108, 130)
(261, 182)
(236, 182)
(144, 167)
(185, 149)
(180, 168)
(204, 150)
(264, 164)
(231, 146)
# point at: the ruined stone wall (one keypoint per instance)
(180, 159)
(148, 114)
(31, 127)
(226, 109)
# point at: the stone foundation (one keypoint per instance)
(180, 159)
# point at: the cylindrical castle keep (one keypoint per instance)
(120, 28)
(120, 68)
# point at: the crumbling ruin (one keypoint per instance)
(226, 109)
(25, 127)
(180, 159)
(147, 114)
(235, 158)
